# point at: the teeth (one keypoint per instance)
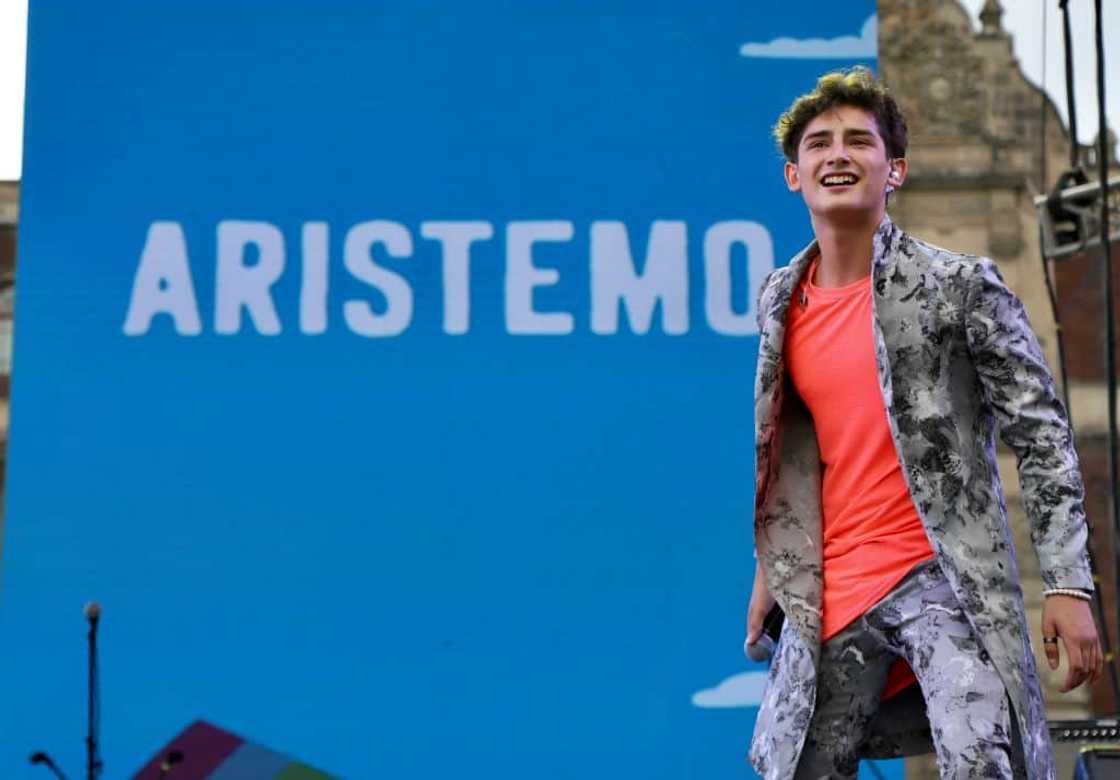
(844, 179)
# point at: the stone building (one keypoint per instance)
(9, 216)
(983, 143)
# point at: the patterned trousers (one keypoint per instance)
(921, 621)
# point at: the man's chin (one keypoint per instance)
(847, 213)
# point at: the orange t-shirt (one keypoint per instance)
(872, 533)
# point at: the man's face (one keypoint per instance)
(842, 168)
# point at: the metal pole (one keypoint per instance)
(1071, 104)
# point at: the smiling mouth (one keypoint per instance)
(839, 179)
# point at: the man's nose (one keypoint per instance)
(839, 153)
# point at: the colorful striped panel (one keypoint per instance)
(211, 753)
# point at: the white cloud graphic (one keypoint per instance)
(845, 47)
(738, 690)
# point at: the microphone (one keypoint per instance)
(762, 649)
(92, 611)
(39, 757)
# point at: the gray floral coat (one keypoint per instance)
(955, 356)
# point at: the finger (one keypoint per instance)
(1076, 674)
(1089, 652)
(754, 629)
(1050, 649)
(1073, 679)
(1053, 657)
(1098, 661)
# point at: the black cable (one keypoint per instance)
(1109, 299)
(1044, 185)
(1046, 275)
(1052, 293)
(1071, 103)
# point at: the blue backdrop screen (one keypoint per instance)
(386, 371)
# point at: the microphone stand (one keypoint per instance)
(92, 611)
(39, 757)
(93, 760)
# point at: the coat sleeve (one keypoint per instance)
(762, 303)
(1018, 386)
(760, 319)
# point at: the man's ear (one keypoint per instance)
(793, 180)
(898, 172)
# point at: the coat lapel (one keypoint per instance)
(771, 367)
(883, 266)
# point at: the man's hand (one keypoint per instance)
(761, 604)
(1069, 620)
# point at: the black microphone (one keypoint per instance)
(39, 757)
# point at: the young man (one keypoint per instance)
(885, 365)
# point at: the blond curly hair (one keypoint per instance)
(853, 87)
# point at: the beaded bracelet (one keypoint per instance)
(1077, 594)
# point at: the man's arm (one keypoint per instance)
(761, 604)
(1019, 387)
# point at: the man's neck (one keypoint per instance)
(845, 250)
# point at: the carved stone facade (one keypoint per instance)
(9, 217)
(977, 159)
